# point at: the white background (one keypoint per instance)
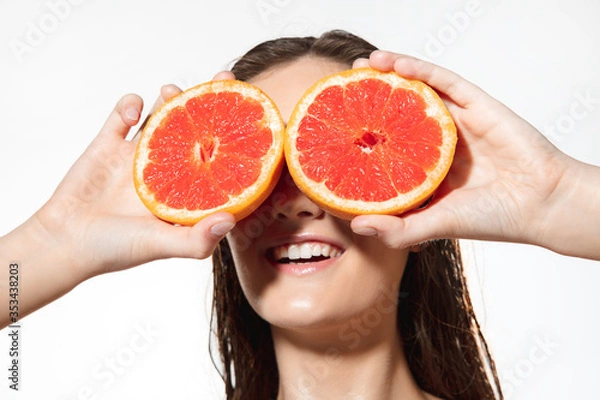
(539, 57)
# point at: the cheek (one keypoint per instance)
(250, 267)
(244, 232)
(374, 270)
(390, 262)
(238, 240)
(241, 247)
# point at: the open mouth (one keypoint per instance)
(301, 253)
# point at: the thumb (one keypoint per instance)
(404, 231)
(198, 241)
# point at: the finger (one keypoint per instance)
(402, 232)
(454, 86)
(198, 241)
(361, 63)
(223, 75)
(383, 60)
(166, 92)
(125, 115)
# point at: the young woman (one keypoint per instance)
(337, 324)
(384, 311)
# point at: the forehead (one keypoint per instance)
(286, 83)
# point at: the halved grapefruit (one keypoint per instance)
(368, 142)
(215, 147)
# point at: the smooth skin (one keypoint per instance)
(508, 183)
(323, 346)
(94, 222)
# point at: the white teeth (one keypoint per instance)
(316, 250)
(305, 251)
(294, 252)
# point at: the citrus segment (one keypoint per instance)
(215, 147)
(363, 141)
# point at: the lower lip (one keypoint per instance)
(304, 269)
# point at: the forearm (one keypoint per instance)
(34, 271)
(572, 224)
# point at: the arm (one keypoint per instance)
(507, 182)
(94, 223)
(569, 220)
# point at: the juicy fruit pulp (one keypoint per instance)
(214, 147)
(384, 151)
(363, 141)
(358, 142)
(216, 158)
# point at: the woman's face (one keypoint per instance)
(298, 266)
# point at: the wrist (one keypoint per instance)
(569, 220)
(44, 268)
(47, 244)
(48, 230)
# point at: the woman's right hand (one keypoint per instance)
(97, 218)
(95, 223)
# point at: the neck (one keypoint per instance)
(350, 361)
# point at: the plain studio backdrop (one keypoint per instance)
(143, 333)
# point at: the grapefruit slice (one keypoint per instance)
(368, 142)
(215, 147)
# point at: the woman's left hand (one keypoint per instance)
(507, 181)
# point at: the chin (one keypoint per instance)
(319, 297)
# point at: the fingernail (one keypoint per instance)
(220, 229)
(378, 53)
(132, 113)
(365, 231)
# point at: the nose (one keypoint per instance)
(290, 204)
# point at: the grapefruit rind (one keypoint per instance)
(319, 193)
(252, 196)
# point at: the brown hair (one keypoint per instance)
(445, 349)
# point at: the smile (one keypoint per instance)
(306, 252)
